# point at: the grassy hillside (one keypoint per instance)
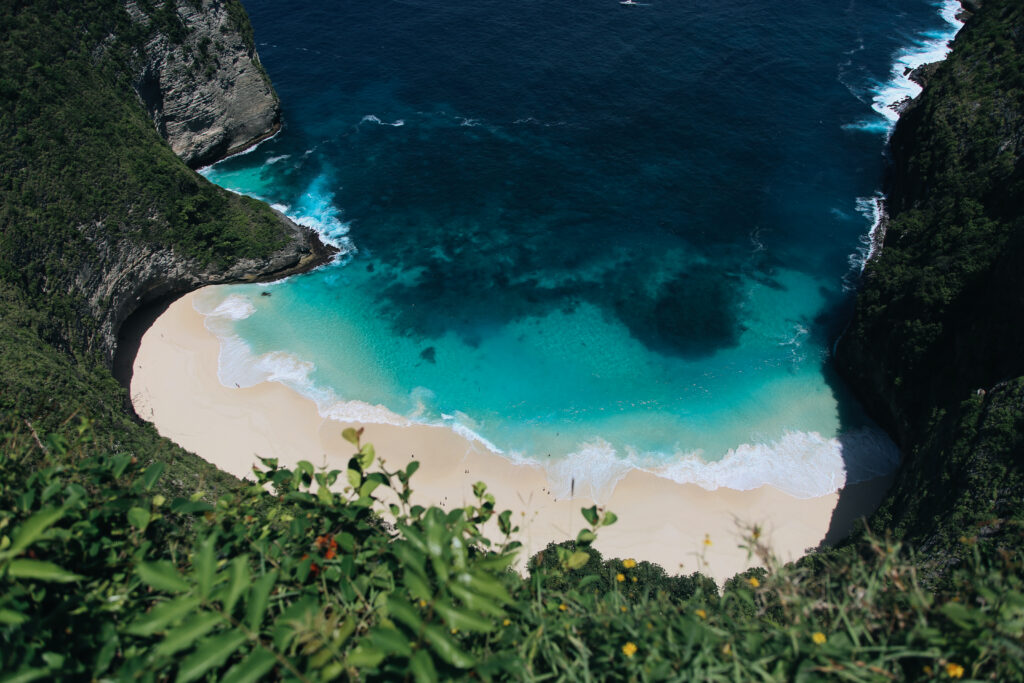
(82, 169)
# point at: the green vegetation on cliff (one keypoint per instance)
(934, 349)
(86, 183)
(83, 171)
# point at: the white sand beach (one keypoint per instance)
(175, 386)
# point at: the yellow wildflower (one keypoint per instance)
(954, 670)
(423, 603)
(622, 609)
(506, 622)
(754, 583)
(701, 613)
(707, 539)
(727, 649)
(563, 607)
(620, 577)
(629, 649)
(634, 579)
(819, 638)
(629, 564)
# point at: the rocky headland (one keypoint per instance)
(934, 347)
(202, 82)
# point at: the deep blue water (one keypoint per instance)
(616, 235)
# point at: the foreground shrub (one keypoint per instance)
(309, 575)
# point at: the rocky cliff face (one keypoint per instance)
(123, 276)
(934, 349)
(201, 81)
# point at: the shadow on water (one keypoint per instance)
(857, 501)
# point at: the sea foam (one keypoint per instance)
(370, 118)
(801, 464)
(889, 98)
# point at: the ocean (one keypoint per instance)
(588, 235)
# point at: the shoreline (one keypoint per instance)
(174, 385)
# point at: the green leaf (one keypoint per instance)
(210, 654)
(161, 575)
(461, 619)
(422, 667)
(590, 514)
(363, 656)
(445, 646)
(53, 660)
(40, 571)
(351, 435)
(251, 669)
(138, 518)
(164, 614)
(324, 495)
(586, 536)
(405, 613)
(120, 464)
(578, 559)
(417, 585)
(390, 640)
(474, 601)
(151, 474)
(609, 519)
(960, 614)
(12, 618)
(29, 531)
(205, 564)
(505, 522)
(486, 585)
(368, 487)
(479, 488)
(259, 597)
(237, 583)
(411, 560)
(184, 506)
(355, 478)
(26, 675)
(346, 541)
(366, 455)
(187, 634)
(411, 468)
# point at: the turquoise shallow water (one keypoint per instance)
(599, 259)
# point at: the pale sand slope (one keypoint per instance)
(175, 386)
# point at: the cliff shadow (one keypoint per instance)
(866, 454)
(129, 338)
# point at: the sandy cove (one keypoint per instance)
(175, 386)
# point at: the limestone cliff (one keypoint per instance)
(201, 81)
(123, 276)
